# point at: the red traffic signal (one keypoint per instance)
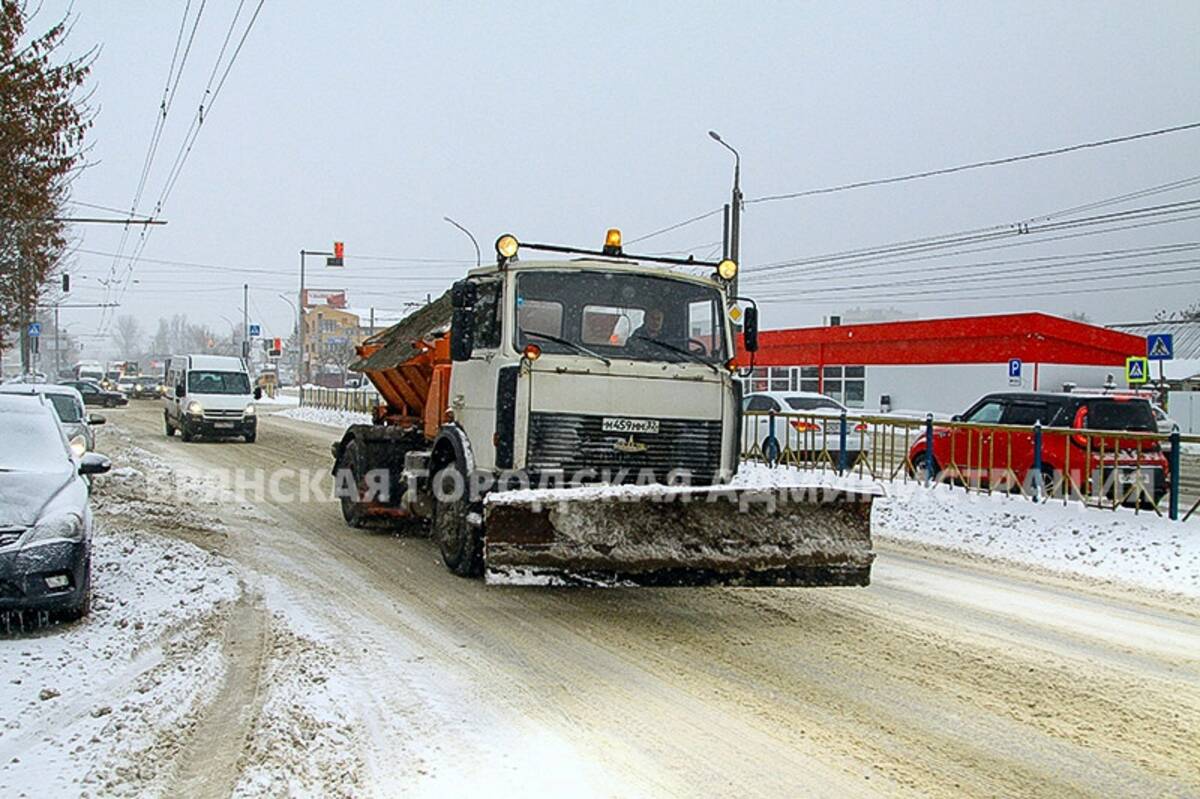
(276, 347)
(339, 248)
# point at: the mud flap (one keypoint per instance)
(667, 536)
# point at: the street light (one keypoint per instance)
(733, 237)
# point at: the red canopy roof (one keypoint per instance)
(1032, 337)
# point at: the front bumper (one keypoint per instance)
(196, 425)
(23, 574)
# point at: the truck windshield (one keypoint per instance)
(218, 383)
(621, 315)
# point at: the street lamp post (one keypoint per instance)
(735, 227)
(304, 372)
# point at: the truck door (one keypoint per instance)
(473, 382)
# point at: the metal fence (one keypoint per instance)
(1149, 472)
(362, 400)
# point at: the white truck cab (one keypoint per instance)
(209, 395)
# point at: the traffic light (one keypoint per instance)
(276, 348)
(339, 250)
(66, 283)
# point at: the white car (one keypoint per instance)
(76, 422)
(812, 425)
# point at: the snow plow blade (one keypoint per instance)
(668, 536)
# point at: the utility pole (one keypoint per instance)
(304, 355)
(57, 357)
(734, 237)
(246, 321)
(372, 321)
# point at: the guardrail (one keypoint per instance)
(362, 400)
(1149, 472)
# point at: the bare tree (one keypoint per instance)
(128, 337)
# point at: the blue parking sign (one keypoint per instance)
(1014, 367)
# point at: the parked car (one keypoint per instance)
(986, 456)
(94, 394)
(210, 395)
(814, 426)
(68, 404)
(146, 387)
(45, 520)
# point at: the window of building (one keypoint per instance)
(810, 379)
(781, 379)
(758, 379)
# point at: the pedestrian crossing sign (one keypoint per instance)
(1137, 370)
(1160, 347)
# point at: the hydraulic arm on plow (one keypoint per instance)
(578, 422)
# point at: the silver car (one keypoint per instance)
(811, 428)
(77, 423)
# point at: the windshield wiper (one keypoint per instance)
(571, 344)
(689, 355)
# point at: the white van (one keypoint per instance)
(209, 395)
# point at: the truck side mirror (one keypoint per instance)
(462, 322)
(750, 329)
(258, 392)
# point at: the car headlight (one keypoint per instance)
(250, 411)
(78, 446)
(195, 408)
(65, 525)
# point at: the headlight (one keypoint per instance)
(249, 410)
(195, 408)
(66, 525)
(78, 446)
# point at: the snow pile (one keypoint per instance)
(325, 416)
(107, 685)
(1139, 549)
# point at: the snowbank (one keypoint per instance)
(1138, 549)
(325, 416)
(107, 685)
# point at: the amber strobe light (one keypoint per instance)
(532, 352)
(727, 269)
(612, 242)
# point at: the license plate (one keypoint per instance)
(619, 425)
(223, 425)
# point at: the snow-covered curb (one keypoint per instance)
(325, 416)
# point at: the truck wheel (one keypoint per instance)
(167, 426)
(459, 541)
(251, 437)
(353, 512)
(185, 434)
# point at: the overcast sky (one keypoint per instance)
(369, 121)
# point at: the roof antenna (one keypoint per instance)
(478, 255)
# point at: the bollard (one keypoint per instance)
(928, 449)
(843, 456)
(772, 443)
(1173, 464)
(1039, 486)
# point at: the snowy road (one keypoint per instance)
(946, 677)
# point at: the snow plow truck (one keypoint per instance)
(577, 422)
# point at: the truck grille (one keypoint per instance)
(571, 442)
(222, 416)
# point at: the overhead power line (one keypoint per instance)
(975, 165)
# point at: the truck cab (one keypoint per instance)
(601, 370)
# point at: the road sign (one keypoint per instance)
(1137, 370)
(255, 330)
(35, 329)
(1014, 371)
(1160, 346)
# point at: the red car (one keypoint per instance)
(1128, 469)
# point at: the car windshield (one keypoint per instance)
(1132, 415)
(113, 375)
(812, 404)
(32, 442)
(147, 381)
(620, 315)
(218, 383)
(67, 407)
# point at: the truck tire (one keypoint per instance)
(460, 542)
(353, 511)
(168, 428)
(185, 434)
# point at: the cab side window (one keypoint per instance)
(487, 314)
